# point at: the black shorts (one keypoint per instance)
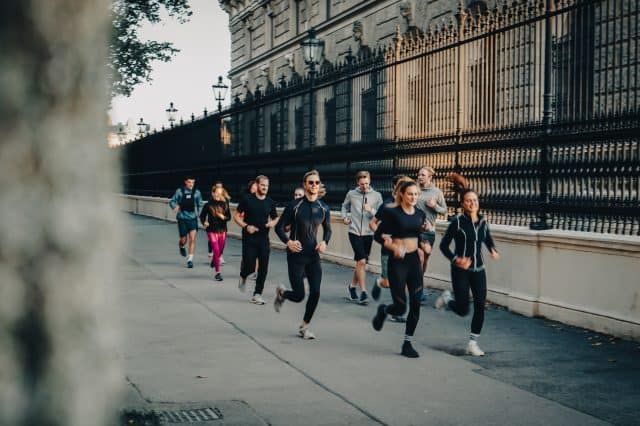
(430, 237)
(361, 245)
(187, 225)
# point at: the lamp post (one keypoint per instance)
(219, 92)
(142, 127)
(171, 113)
(312, 51)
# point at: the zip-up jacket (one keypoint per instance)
(353, 206)
(304, 217)
(432, 213)
(187, 197)
(468, 238)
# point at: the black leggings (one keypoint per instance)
(299, 266)
(463, 280)
(255, 248)
(405, 273)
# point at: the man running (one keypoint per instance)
(256, 215)
(431, 202)
(185, 203)
(359, 207)
(303, 216)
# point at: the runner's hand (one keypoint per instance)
(347, 220)
(176, 209)
(494, 254)
(321, 247)
(206, 224)
(463, 262)
(294, 246)
(251, 229)
(431, 202)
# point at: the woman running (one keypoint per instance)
(304, 216)
(214, 217)
(404, 223)
(468, 230)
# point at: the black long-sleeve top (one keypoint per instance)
(305, 217)
(216, 223)
(468, 237)
(398, 224)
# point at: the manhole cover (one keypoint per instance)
(193, 415)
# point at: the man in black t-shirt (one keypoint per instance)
(256, 215)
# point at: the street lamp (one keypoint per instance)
(220, 92)
(171, 113)
(312, 52)
(142, 127)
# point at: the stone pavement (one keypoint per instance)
(189, 340)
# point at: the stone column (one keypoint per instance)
(60, 226)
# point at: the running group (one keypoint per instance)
(403, 224)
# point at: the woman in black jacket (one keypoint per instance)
(214, 217)
(468, 230)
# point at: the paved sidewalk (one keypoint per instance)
(189, 339)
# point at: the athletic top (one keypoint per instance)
(388, 201)
(257, 213)
(432, 212)
(399, 224)
(353, 206)
(189, 200)
(305, 216)
(468, 237)
(216, 224)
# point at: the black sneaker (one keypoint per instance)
(408, 351)
(375, 292)
(353, 296)
(364, 299)
(397, 318)
(378, 320)
(183, 251)
(218, 277)
(189, 264)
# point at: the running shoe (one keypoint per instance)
(305, 333)
(375, 291)
(218, 277)
(242, 284)
(189, 264)
(257, 299)
(279, 299)
(364, 299)
(408, 351)
(378, 320)
(398, 318)
(474, 349)
(183, 251)
(442, 300)
(353, 295)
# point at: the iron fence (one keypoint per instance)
(535, 102)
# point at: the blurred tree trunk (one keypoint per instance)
(59, 223)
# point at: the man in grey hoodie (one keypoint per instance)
(431, 202)
(359, 207)
(186, 203)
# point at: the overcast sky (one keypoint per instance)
(204, 44)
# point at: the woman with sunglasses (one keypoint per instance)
(468, 230)
(399, 232)
(303, 217)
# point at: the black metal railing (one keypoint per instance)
(535, 102)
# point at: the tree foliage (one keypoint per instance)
(130, 56)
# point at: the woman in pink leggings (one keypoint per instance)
(214, 217)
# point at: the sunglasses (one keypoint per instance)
(313, 182)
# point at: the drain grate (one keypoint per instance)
(191, 415)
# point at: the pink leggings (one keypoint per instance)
(217, 240)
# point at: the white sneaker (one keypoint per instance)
(474, 349)
(242, 284)
(253, 276)
(443, 299)
(305, 333)
(257, 299)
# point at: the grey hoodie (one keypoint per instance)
(432, 191)
(353, 207)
